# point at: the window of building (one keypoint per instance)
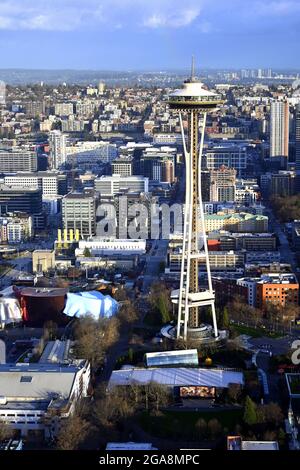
(26, 379)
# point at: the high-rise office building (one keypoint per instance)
(230, 156)
(50, 182)
(109, 186)
(12, 161)
(28, 200)
(57, 144)
(64, 109)
(79, 213)
(167, 171)
(35, 108)
(121, 167)
(2, 92)
(297, 121)
(279, 129)
(101, 88)
(222, 184)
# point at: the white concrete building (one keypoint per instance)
(17, 160)
(102, 246)
(52, 183)
(16, 229)
(36, 397)
(167, 139)
(279, 129)
(64, 109)
(57, 144)
(250, 284)
(109, 186)
(91, 152)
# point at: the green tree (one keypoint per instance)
(130, 355)
(163, 310)
(281, 436)
(160, 301)
(87, 252)
(250, 414)
(225, 318)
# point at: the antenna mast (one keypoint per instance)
(193, 69)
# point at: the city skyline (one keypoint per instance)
(127, 35)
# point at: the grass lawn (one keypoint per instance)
(255, 332)
(169, 422)
(295, 384)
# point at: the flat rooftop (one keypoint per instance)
(44, 291)
(278, 278)
(176, 377)
(260, 445)
(36, 382)
(129, 446)
(87, 195)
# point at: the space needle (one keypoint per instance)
(196, 101)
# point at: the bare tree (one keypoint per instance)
(159, 394)
(94, 338)
(214, 427)
(72, 433)
(270, 436)
(201, 428)
(270, 413)
(128, 313)
(234, 392)
(110, 332)
(50, 330)
(114, 406)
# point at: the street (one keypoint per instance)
(156, 256)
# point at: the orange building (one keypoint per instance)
(213, 245)
(277, 289)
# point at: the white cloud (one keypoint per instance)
(205, 27)
(74, 14)
(279, 7)
(178, 19)
(69, 15)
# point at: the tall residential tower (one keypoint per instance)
(57, 144)
(279, 129)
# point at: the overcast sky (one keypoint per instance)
(149, 34)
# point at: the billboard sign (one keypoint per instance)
(197, 392)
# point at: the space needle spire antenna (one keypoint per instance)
(195, 101)
(193, 69)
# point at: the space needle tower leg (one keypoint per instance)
(203, 230)
(183, 271)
